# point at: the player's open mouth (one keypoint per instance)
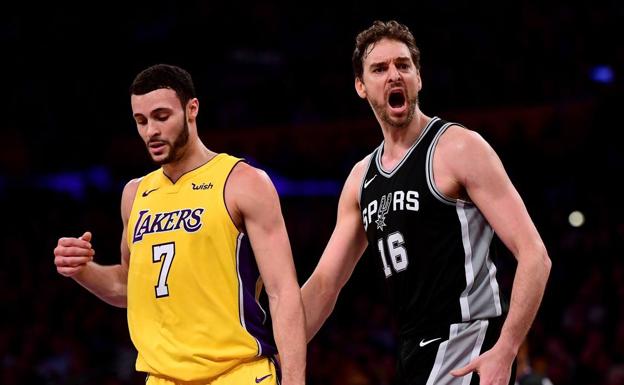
(396, 99)
(156, 146)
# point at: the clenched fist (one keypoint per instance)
(71, 255)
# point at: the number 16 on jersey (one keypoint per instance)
(397, 253)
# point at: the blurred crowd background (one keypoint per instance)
(542, 82)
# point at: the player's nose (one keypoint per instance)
(393, 73)
(153, 129)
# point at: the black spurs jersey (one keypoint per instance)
(434, 251)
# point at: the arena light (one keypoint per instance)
(576, 218)
(603, 74)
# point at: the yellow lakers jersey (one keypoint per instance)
(193, 282)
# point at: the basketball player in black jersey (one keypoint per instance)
(429, 200)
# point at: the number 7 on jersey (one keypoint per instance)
(163, 252)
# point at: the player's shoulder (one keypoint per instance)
(246, 179)
(131, 187)
(134, 182)
(362, 165)
(244, 173)
(128, 195)
(458, 139)
(360, 168)
(356, 176)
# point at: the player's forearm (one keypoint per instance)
(319, 299)
(109, 283)
(289, 331)
(526, 296)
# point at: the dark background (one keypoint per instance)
(542, 83)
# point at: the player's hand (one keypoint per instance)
(493, 367)
(71, 255)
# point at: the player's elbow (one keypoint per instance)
(121, 302)
(541, 260)
(115, 300)
(117, 296)
(319, 295)
(319, 289)
(328, 288)
(545, 260)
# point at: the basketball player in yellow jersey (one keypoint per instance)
(202, 234)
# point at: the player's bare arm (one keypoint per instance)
(73, 258)
(343, 251)
(254, 205)
(471, 162)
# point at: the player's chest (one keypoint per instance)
(192, 209)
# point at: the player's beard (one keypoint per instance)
(178, 147)
(381, 110)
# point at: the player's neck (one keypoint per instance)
(195, 156)
(397, 141)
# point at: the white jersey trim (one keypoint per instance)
(440, 356)
(464, 344)
(476, 300)
(429, 169)
(483, 325)
(389, 174)
(370, 160)
(494, 284)
(463, 298)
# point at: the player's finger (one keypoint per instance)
(471, 367)
(73, 252)
(67, 242)
(79, 252)
(86, 236)
(71, 262)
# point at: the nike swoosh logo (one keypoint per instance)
(148, 192)
(425, 343)
(367, 182)
(259, 380)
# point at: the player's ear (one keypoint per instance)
(419, 80)
(192, 109)
(360, 88)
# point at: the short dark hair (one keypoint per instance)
(164, 76)
(379, 30)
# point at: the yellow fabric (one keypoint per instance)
(260, 372)
(183, 289)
